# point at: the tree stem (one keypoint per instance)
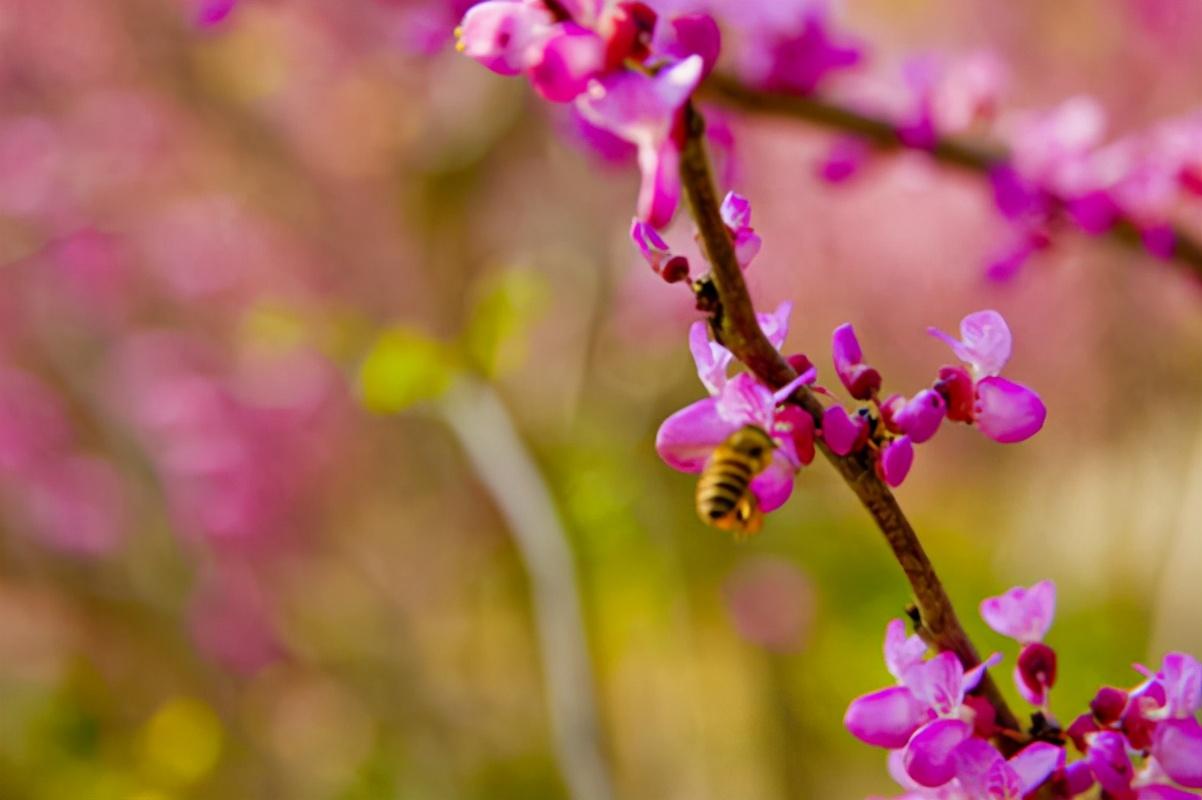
(734, 323)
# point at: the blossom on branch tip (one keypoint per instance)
(1003, 410)
(860, 380)
(687, 439)
(736, 213)
(642, 109)
(654, 250)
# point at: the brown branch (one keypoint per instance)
(965, 154)
(734, 323)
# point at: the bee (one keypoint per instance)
(724, 497)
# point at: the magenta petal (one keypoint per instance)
(640, 108)
(776, 324)
(1006, 411)
(747, 246)
(569, 59)
(840, 431)
(973, 676)
(650, 244)
(773, 486)
(929, 757)
(982, 770)
(501, 34)
(1021, 613)
(901, 651)
(712, 359)
(920, 417)
(659, 189)
(1110, 762)
(736, 211)
(1034, 763)
(746, 401)
(939, 683)
(1177, 745)
(691, 34)
(687, 438)
(845, 348)
(896, 459)
(984, 342)
(887, 718)
(1181, 677)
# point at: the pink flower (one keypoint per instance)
(642, 110)
(1004, 410)
(925, 714)
(736, 213)
(897, 456)
(567, 60)
(843, 432)
(920, 417)
(503, 35)
(860, 380)
(654, 250)
(686, 439)
(1022, 614)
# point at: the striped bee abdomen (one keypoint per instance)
(724, 498)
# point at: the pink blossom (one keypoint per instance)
(860, 380)
(503, 35)
(687, 438)
(567, 60)
(654, 250)
(642, 110)
(843, 432)
(896, 458)
(1003, 410)
(1024, 615)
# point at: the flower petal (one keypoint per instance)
(1008, 412)
(1110, 762)
(896, 459)
(773, 486)
(1034, 763)
(984, 342)
(502, 34)
(984, 773)
(711, 358)
(920, 417)
(887, 718)
(686, 439)
(659, 188)
(902, 651)
(640, 107)
(973, 676)
(746, 401)
(929, 757)
(841, 431)
(1177, 745)
(939, 683)
(1181, 677)
(736, 211)
(776, 324)
(1022, 614)
(568, 59)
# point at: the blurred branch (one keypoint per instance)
(486, 432)
(972, 156)
(734, 323)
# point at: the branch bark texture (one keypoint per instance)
(734, 323)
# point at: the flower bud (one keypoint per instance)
(1081, 726)
(955, 387)
(676, 269)
(1037, 667)
(800, 362)
(628, 31)
(798, 425)
(921, 416)
(1108, 704)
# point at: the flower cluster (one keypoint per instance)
(626, 71)
(940, 735)
(888, 429)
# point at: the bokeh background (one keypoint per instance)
(328, 388)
